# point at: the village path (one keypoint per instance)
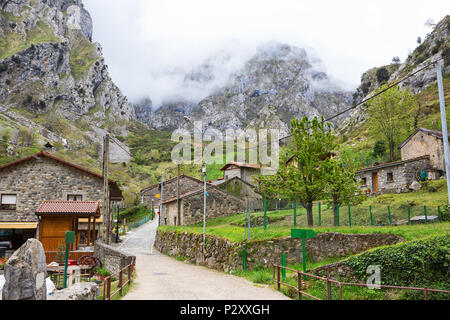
(164, 278)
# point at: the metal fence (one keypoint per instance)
(139, 223)
(328, 282)
(324, 214)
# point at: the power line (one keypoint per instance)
(375, 95)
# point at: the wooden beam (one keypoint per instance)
(93, 236)
(89, 232)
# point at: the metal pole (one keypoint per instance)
(295, 213)
(66, 260)
(320, 214)
(178, 196)
(444, 126)
(204, 206)
(350, 215)
(390, 217)
(283, 264)
(371, 215)
(161, 200)
(248, 218)
(117, 225)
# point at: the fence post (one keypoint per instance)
(390, 218)
(440, 214)
(244, 259)
(350, 215)
(278, 277)
(425, 211)
(371, 215)
(299, 282)
(120, 282)
(409, 215)
(108, 289)
(295, 213)
(130, 274)
(320, 214)
(265, 214)
(328, 289)
(426, 293)
(338, 214)
(283, 264)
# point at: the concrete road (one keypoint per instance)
(164, 278)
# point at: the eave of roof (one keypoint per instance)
(434, 133)
(171, 180)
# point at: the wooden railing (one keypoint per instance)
(129, 269)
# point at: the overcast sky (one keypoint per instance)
(145, 39)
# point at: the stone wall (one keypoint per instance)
(242, 189)
(112, 258)
(44, 179)
(79, 291)
(225, 255)
(403, 174)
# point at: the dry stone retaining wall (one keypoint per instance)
(113, 259)
(225, 255)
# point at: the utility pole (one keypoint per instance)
(444, 127)
(178, 196)
(161, 200)
(106, 213)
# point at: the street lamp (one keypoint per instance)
(188, 120)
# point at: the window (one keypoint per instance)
(364, 181)
(8, 202)
(74, 197)
(390, 177)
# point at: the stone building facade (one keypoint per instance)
(219, 203)
(393, 177)
(187, 184)
(242, 189)
(40, 177)
(244, 171)
(425, 142)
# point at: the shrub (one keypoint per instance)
(415, 263)
(382, 75)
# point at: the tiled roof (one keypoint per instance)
(241, 165)
(392, 164)
(69, 207)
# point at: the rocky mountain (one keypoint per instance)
(435, 46)
(278, 83)
(54, 79)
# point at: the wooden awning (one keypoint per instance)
(18, 225)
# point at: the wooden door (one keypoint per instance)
(53, 231)
(375, 181)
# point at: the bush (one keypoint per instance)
(415, 263)
(382, 75)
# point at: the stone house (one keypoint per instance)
(27, 182)
(426, 142)
(244, 171)
(393, 177)
(219, 203)
(422, 156)
(242, 189)
(187, 183)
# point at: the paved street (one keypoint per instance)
(164, 278)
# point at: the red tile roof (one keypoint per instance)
(83, 208)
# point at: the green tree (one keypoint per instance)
(382, 75)
(390, 116)
(304, 179)
(342, 187)
(379, 149)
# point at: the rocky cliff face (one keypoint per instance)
(50, 66)
(275, 85)
(435, 46)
